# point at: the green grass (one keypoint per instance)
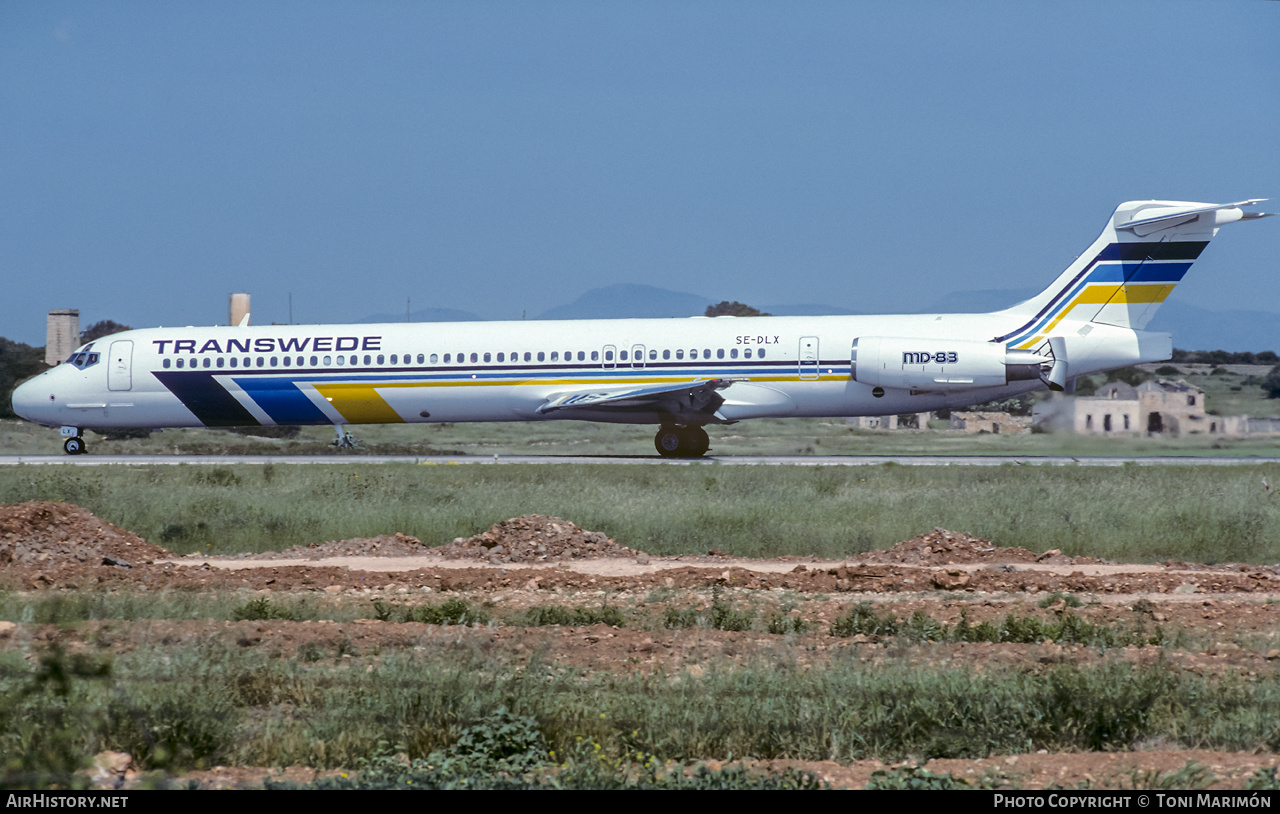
(1131, 513)
(190, 706)
(791, 436)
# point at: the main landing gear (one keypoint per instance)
(689, 441)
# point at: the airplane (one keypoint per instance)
(681, 374)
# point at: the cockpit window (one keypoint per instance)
(85, 357)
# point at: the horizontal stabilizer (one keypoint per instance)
(1166, 217)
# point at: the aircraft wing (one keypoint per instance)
(696, 396)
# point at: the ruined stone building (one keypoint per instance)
(1162, 406)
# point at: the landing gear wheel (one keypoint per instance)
(74, 446)
(681, 442)
(698, 441)
(669, 442)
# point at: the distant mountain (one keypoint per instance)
(979, 302)
(1201, 329)
(1192, 328)
(808, 310)
(426, 315)
(628, 300)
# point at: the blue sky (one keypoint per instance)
(504, 157)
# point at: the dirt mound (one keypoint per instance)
(535, 538)
(387, 545)
(942, 547)
(37, 533)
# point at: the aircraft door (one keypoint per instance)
(609, 358)
(120, 365)
(808, 357)
(637, 356)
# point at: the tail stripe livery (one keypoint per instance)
(1134, 272)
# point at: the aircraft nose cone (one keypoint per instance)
(30, 399)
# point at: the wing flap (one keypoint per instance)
(698, 395)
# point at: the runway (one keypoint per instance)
(635, 460)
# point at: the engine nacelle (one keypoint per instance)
(940, 364)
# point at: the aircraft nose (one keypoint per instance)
(30, 399)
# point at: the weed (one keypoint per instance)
(914, 778)
(1070, 600)
(261, 609)
(1263, 780)
(577, 617)
(1191, 776)
(453, 612)
(782, 623)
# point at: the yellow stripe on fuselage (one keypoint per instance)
(360, 403)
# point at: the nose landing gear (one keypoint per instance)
(689, 441)
(74, 445)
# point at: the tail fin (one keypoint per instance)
(1128, 271)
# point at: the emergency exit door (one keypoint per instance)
(808, 357)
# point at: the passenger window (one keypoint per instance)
(762, 353)
(287, 361)
(653, 356)
(206, 362)
(622, 355)
(273, 362)
(502, 357)
(733, 353)
(381, 358)
(706, 353)
(180, 362)
(475, 357)
(248, 362)
(719, 353)
(420, 359)
(446, 358)
(165, 364)
(527, 356)
(434, 358)
(301, 360)
(221, 361)
(746, 353)
(666, 354)
(595, 356)
(327, 360)
(608, 356)
(233, 361)
(314, 361)
(488, 358)
(342, 360)
(555, 355)
(541, 356)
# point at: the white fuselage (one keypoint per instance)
(505, 371)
